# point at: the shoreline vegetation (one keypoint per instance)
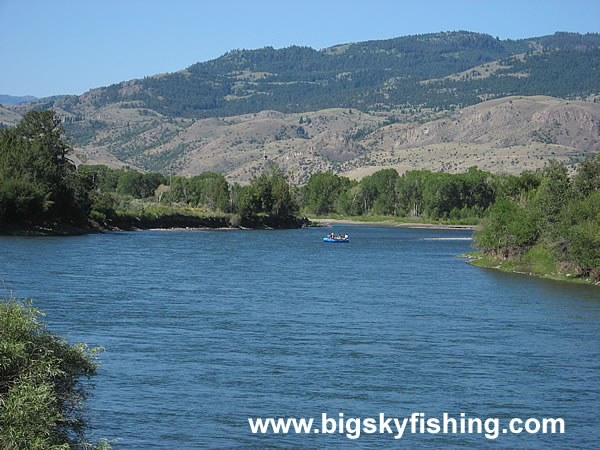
(168, 223)
(529, 265)
(547, 225)
(44, 383)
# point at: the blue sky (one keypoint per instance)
(52, 47)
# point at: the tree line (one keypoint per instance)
(39, 185)
(416, 193)
(547, 214)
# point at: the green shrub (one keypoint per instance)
(21, 201)
(41, 395)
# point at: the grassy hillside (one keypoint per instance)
(504, 135)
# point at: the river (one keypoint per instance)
(205, 329)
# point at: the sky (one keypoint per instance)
(54, 47)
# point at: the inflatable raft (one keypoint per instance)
(328, 239)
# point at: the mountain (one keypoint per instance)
(13, 100)
(350, 108)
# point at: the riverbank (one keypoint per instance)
(534, 263)
(178, 222)
(391, 222)
(48, 230)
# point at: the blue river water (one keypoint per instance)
(205, 329)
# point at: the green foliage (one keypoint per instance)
(587, 179)
(21, 199)
(322, 192)
(508, 228)
(445, 196)
(38, 184)
(104, 178)
(209, 190)
(139, 185)
(269, 193)
(248, 203)
(380, 192)
(551, 196)
(349, 203)
(581, 230)
(411, 186)
(433, 196)
(41, 396)
(514, 187)
(550, 211)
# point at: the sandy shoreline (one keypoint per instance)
(393, 224)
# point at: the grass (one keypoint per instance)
(400, 220)
(538, 262)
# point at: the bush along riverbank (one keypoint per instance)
(43, 383)
(547, 224)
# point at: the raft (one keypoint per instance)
(328, 239)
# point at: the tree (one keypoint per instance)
(385, 182)
(46, 126)
(283, 200)
(587, 178)
(515, 187)
(442, 194)
(478, 188)
(210, 190)
(247, 204)
(33, 155)
(551, 196)
(21, 199)
(40, 389)
(411, 186)
(581, 229)
(561, 218)
(139, 185)
(269, 193)
(509, 228)
(321, 192)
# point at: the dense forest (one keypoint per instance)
(372, 75)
